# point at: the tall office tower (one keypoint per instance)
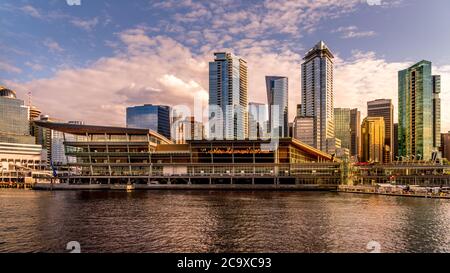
(395, 151)
(291, 129)
(277, 99)
(304, 129)
(188, 129)
(176, 117)
(445, 145)
(436, 112)
(372, 134)
(257, 120)
(318, 94)
(342, 127)
(299, 110)
(384, 108)
(14, 119)
(355, 127)
(347, 124)
(228, 97)
(416, 114)
(148, 116)
(52, 142)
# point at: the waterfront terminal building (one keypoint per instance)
(114, 155)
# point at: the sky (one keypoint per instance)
(90, 61)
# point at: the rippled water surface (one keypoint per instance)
(199, 221)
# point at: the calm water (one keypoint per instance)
(172, 221)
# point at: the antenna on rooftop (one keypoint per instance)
(29, 98)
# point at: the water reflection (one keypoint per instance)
(175, 221)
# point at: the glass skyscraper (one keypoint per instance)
(384, 108)
(277, 98)
(14, 119)
(372, 132)
(148, 116)
(347, 124)
(257, 120)
(436, 112)
(419, 120)
(318, 94)
(228, 97)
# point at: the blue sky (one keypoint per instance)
(102, 56)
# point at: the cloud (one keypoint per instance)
(159, 70)
(251, 19)
(52, 45)
(367, 77)
(165, 73)
(9, 68)
(353, 32)
(34, 66)
(32, 11)
(87, 25)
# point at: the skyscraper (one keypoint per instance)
(445, 145)
(355, 127)
(395, 150)
(277, 98)
(188, 129)
(304, 129)
(384, 108)
(148, 116)
(299, 110)
(14, 119)
(257, 120)
(318, 94)
(372, 132)
(418, 119)
(347, 124)
(342, 126)
(228, 97)
(436, 112)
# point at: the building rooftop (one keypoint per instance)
(319, 48)
(5, 92)
(82, 129)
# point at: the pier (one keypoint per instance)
(421, 192)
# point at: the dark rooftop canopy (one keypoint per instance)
(82, 129)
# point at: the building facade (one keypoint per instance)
(395, 151)
(188, 129)
(318, 94)
(257, 120)
(113, 155)
(304, 129)
(384, 108)
(148, 116)
(418, 119)
(14, 119)
(445, 145)
(372, 132)
(228, 97)
(277, 99)
(436, 112)
(347, 124)
(342, 124)
(355, 127)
